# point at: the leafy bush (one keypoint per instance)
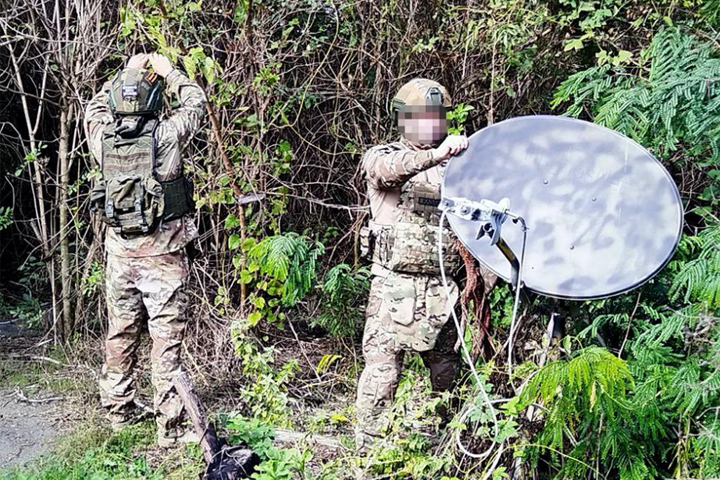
(344, 291)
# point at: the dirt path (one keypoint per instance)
(30, 418)
(28, 427)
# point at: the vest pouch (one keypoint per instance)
(178, 198)
(133, 204)
(97, 196)
(154, 200)
(413, 249)
(367, 243)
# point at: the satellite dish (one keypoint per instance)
(603, 214)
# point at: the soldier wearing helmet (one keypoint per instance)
(146, 201)
(408, 308)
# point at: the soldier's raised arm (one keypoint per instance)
(387, 168)
(185, 120)
(97, 116)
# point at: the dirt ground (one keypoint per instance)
(28, 426)
(41, 401)
(31, 417)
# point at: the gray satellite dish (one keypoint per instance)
(603, 215)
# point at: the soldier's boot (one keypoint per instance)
(376, 390)
(168, 438)
(129, 415)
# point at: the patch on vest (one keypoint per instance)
(424, 198)
(431, 202)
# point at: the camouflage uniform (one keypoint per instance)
(146, 274)
(408, 308)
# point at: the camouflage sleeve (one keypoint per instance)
(387, 168)
(185, 120)
(97, 116)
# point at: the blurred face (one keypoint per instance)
(424, 125)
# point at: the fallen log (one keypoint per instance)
(224, 462)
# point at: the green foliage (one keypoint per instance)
(588, 16)
(588, 405)
(32, 273)
(669, 101)
(407, 453)
(290, 259)
(145, 19)
(282, 269)
(277, 464)
(265, 392)
(324, 419)
(284, 464)
(6, 217)
(95, 279)
(343, 292)
(699, 278)
(28, 309)
(253, 432)
(457, 117)
(30, 158)
(710, 12)
(666, 98)
(673, 355)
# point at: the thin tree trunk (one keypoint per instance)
(80, 302)
(40, 222)
(66, 326)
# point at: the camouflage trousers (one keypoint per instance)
(151, 288)
(405, 313)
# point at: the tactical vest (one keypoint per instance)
(410, 245)
(129, 196)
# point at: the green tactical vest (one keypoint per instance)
(410, 244)
(129, 197)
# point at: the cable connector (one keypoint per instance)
(491, 215)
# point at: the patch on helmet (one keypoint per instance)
(129, 90)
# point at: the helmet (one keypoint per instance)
(420, 92)
(136, 91)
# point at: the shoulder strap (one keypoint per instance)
(153, 123)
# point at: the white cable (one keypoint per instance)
(468, 359)
(518, 287)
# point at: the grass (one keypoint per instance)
(91, 451)
(94, 452)
(49, 373)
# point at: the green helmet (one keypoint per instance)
(136, 91)
(419, 93)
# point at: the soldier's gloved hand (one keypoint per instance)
(452, 145)
(138, 61)
(160, 64)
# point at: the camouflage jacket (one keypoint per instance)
(409, 298)
(172, 134)
(404, 192)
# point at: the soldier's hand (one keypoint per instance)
(452, 145)
(160, 64)
(138, 61)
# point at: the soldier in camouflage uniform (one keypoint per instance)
(408, 308)
(150, 227)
